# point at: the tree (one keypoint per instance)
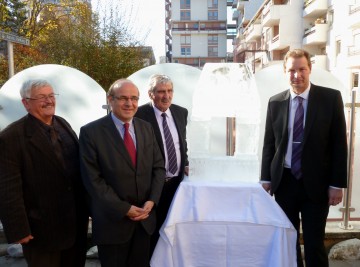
(69, 33)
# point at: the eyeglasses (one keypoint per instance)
(124, 99)
(43, 98)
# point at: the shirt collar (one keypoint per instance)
(119, 122)
(158, 112)
(304, 95)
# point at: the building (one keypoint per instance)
(198, 31)
(328, 29)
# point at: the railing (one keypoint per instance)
(354, 9)
(307, 3)
(199, 29)
(275, 39)
(353, 51)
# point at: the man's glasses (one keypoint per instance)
(124, 99)
(43, 98)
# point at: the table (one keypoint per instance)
(218, 224)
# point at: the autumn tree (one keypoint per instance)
(69, 33)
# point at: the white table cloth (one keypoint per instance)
(213, 224)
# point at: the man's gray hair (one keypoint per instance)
(30, 85)
(156, 79)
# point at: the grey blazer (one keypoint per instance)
(113, 183)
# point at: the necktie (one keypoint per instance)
(170, 148)
(129, 144)
(56, 145)
(298, 134)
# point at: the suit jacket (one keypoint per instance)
(324, 154)
(180, 114)
(112, 181)
(36, 195)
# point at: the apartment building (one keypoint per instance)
(328, 29)
(198, 31)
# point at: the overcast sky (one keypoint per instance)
(147, 16)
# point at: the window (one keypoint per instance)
(338, 47)
(184, 4)
(212, 3)
(184, 15)
(355, 80)
(212, 51)
(185, 51)
(212, 39)
(212, 15)
(330, 18)
(185, 39)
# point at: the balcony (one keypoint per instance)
(319, 61)
(315, 8)
(253, 32)
(354, 16)
(271, 14)
(316, 35)
(277, 44)
(354, 57)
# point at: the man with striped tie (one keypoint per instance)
(169, 123)
(304, 160)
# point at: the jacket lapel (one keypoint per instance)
(284, 109)
(115, 139)
(41, 144)
(152, 119)
(313, 103)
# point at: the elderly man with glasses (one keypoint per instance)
(42, 200)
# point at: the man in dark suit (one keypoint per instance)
(161, 93)
(305, 154)
(123, 171)
(42, 199)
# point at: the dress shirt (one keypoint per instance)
(121, 129)
(293, 104)
(172, 127)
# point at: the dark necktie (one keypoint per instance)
(56, 145)
(170, 148)
(298, 134)
(129, 144)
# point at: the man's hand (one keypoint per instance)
(186, 170)
(25, 240)
(266, 186)
(335, 196)
(139, 214)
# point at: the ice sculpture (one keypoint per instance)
(223, 133)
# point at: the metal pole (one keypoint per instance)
(345, 224)
(10, 48)
(230, 136)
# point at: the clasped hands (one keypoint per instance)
(138, 214)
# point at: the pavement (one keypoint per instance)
(334, 235)
(7, 261)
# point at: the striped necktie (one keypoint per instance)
(170, 148)
(298, 135)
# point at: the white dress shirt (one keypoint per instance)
(172, 127)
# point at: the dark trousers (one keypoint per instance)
(72, 257)
(162, 208)
(133, 253)
(292, 198)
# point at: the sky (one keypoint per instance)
(147, 17)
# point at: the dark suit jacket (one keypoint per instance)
(180, 114)
(324, 155)
(36, 195)
(112, 181)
